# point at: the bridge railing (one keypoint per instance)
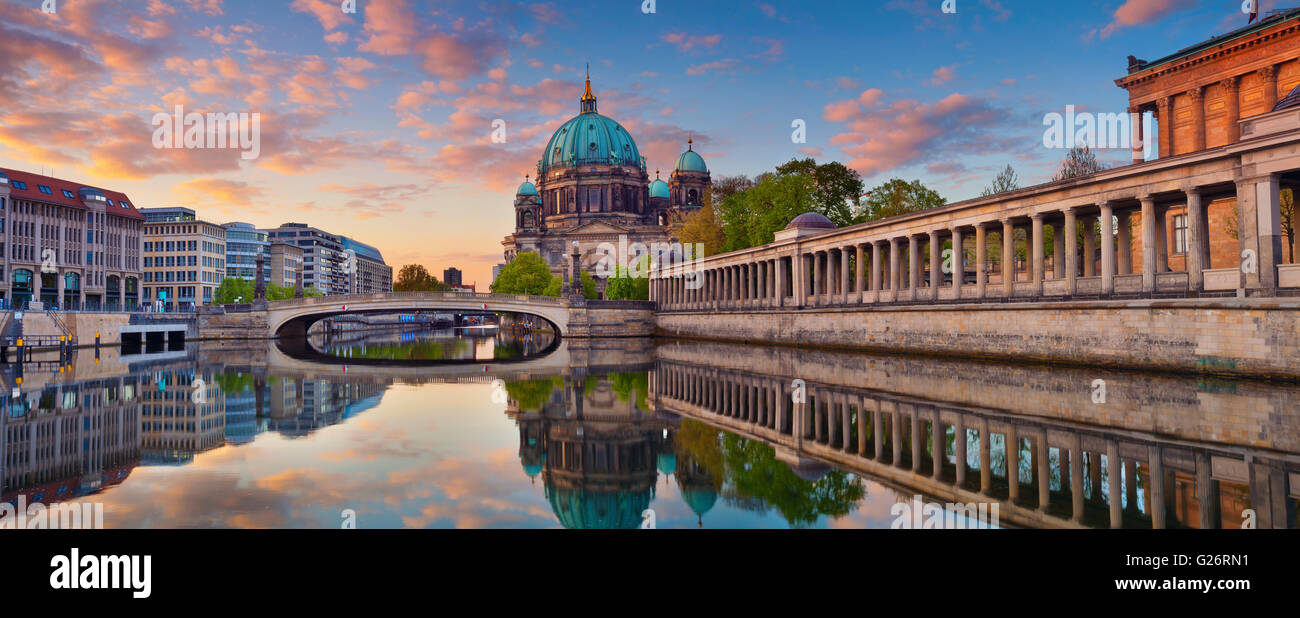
(407, 296)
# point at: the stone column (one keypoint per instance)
(1162, 239)
(1135, 129)
(817, 279)
(913, 265)
(1164, 111)
(1196, 257)
(780, 282)
(958, 262)
(1012, 444)
(1070, 253)
(1155, 487)
(1233, 112)
(1107, 223)
(1148, 243)
(1198, 117)
(1076, 478)
(860, 272)
(937, 441)
(1260, 229)
(986, 458)
(875, 271)
(981, 259)
(844, 275)
(936, 265)
(1089, 248)
(894, 275)
(959, 448)
(1112, 471)
(1037, 240)
(1044, 471)
(1008, 257)
(1058, 252)
(1125, 261)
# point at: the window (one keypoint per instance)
(1180, 233)
(18, 184)
(69, 194)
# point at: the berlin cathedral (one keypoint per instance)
(593, 186)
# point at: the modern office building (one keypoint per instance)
(367, 272)
(283, 262)
(451, 276)
(67, 244)
(244, 243)
(323, 259)
(184, 258)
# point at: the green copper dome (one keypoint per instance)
(691, 161)
(591, 139)
(526, 189)
(658, 188)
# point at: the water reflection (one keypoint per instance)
(539, 433)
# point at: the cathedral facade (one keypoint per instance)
(593, 187)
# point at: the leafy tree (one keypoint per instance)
(526, 274)
(726, 186)
(626, 285)
(1080, 161)
(232, 291)
(1005, 181)
(416, 278)
(837, 190)
(752, 218)
(532, 395)
(897, 196)
(704, 227)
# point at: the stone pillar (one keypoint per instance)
(780, 282)
(1149, 232)
(1232, 113)
(1012, 444)
(817, 278)
(894, 275)
(937, 442)
(936, 265)
(959, 448)
(1135, 129)
(877, 430)
(1165, 114)
(1162, 239)
(1260, 229)
(1112, 471)
(981, 259)
(1198, 117)
(986, 458)
(958, 262)
(875, 271)
(1125, 261)
(1008, 257)
(259, 286)
(844, 275)
(1089, 248)
(918, 428)
(1107, 223)
(1076, 478)
(1070, 252)
(1155, 487)
(1196, 228)
(1058, 251)
(913, 265)
(1037, 240)
(1044, 471)
(860, 272)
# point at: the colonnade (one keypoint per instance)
(872, 264)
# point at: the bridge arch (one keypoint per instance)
(294, 317)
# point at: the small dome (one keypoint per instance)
(1292, 99)
(814, 220)
(667, 464)
(691, 161)
(658, 188)
(526, 189)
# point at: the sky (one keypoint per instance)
(379, 124)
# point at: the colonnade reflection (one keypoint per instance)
(1045, 472)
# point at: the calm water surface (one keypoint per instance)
(481, 429)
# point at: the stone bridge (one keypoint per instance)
(570, 317)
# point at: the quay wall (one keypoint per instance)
(1247, 337)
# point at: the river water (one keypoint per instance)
(480, 429)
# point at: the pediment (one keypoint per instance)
(598, 228)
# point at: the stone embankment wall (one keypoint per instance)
(1255, 337)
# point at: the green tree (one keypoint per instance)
(526, 274)
(703, 227)
(1005, 181)
(725, 186)
(233, 291)
(628, 285)
(837, 189)
(752, 218)
(897, 196)
(416, 278)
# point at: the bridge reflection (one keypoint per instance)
(1043, 468)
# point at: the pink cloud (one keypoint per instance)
(1138, 12)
